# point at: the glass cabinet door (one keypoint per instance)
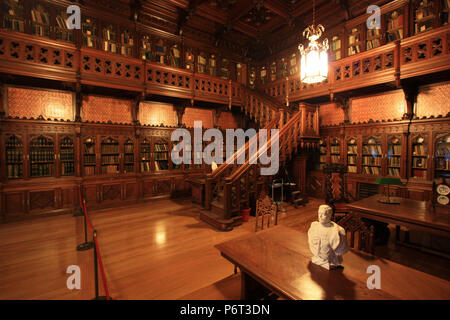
(442, 157)
(145, 156)
(161, 155)
(419, 157)
(110, 39)
(63, 33)
(42, 157)
(110, 156)
(13, 15)
(89, 30)
(67, 156)
(354, 42)
(128, 160)
(394, 155)
(89, 157)
(335, 150)
(322, 154)
(14, 157)
(352, 155)
(394, 26)
(40, 21)
(146, 48)
(371, 156)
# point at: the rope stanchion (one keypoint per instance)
(80, 212)
(85, 245)
(98, 258)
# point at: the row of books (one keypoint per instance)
(395, 23)
(129, 158)
(161, 147)
(62, 23)
(40, 17)
(354, 38)
(395, 149)
(373, 161)
(323, 150)
(421, 27)
(418, 150)
(419, 162)
(43, 155)
(145, 156)
(335, 159)
(373, 33)
(67, 154)
(352, 149)
(442, 164)
(67, 168)
(110, 148)
(14, 171)
(14, 24)
(110, 169)
(352, 169)
(394, 162)
(395, 35)
(110, 46)
(129, 168)
(89, 149)
(90, 41)
(145, 166)
(375, 43)
(161, 165)
(354, 50)
(323, 158)
(129, 148)
(424, 11)
(419, 173)
(335, 149)
(371, 170)
(89, 158)
(395, 172)
(106, 160)
(351, 159)
(372, 149)
(443, 151)
(161, 156)
(89, 171)
(41, 142)
(41, 170)
(13, 155)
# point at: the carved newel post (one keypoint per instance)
(327, 240)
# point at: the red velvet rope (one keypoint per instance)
(99, 258)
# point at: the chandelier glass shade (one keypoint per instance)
(314, 58)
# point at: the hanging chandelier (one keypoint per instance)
(314, 58)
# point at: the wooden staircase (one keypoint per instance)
(231, 187)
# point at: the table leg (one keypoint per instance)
(251, 289)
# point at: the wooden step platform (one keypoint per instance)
(228, 288)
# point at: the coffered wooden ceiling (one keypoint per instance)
(260, 27)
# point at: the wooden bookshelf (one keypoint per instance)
(89, 31)
(40, 21)
(394, 156)
(128, 159)
(67, 156)
(63, 33)
(442, 157)
(352, 155)
(89, 157)
(212, 65)
(373, 38)
(322, 154)
(126, 43)
(146, 48)
(145, 156)
(110, 156)
(225, 69)
(419, 159)
(424, 16)
(13, 15)
(161, 155)
(372, 156)
(42, 157)
(354, 42)
(336, 48)
(160, 52)
(394, 26)
(201, 62)
(14, 157)
(335, 151)
(110, 39)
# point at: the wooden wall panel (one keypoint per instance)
(155, 113)
(197, 114)
(228, 120)
(23, 102)
(433, 100)
(390, 105)
(330, 114)
(104, 109)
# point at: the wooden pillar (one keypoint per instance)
(344, 104)
(2, 98)
(135, 108)
(180, 109)
(78, 102)
(411, 93)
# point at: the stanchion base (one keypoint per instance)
(85, 246)
(100, 298)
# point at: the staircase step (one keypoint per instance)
(295, 192)
(217, 221)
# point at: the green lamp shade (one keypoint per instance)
(389, 181)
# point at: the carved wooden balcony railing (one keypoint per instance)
(414, 56)
(32, 56)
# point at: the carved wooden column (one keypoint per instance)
(78, 102)
(344, 104)
(216, 117)
(180, 109)
(135, 109)
(2, 97)
(411, 93)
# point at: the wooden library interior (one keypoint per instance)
(348, 100)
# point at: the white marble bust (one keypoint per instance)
(327, 240)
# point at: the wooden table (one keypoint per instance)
(410, 213)
(279, 260)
